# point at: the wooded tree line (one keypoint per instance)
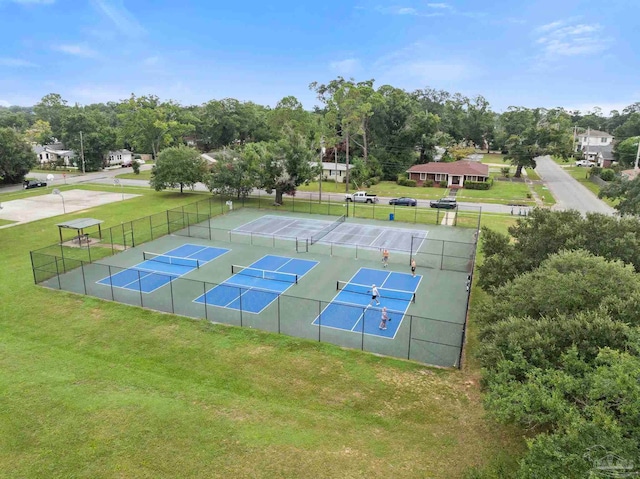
(560, 345)
(382, 130)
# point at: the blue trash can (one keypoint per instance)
(392, 216)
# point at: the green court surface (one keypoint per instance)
(431, 330)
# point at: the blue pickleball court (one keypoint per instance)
(158, 270)
(252, 288)
(352, 308)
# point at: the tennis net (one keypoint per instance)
(324, 232)
(164, 258)
(384, 292)
(264, 274)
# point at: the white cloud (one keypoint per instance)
(442, 6)
(115, 11)
(416, 65)
(76, 50)
(398, 10)
(347, 66)
(558, 39)
(16, 63)
(5, 103)
(34, 2)
(151, 61)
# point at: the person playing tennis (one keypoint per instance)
(385, 257)
(375, 294)
(384, 318)
(413, 267)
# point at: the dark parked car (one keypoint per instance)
(33, 184)
(446, 203)
(403, 202)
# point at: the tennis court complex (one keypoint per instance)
(303, 275)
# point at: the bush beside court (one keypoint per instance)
(92, 388)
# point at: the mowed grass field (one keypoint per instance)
(94, 389)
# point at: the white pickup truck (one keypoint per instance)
(361, 197)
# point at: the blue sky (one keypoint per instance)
(570, 53)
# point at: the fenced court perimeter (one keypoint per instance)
(284, 272)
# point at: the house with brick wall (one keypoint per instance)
(455, 173)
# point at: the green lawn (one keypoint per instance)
(493, 158)
(502, 192)
(5, 222)
(581, 174)
(144, 175)
(99, 389)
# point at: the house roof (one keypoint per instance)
(461, 167)
(123, 151)
(605, 150)
(594, 134)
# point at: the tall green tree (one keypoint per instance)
(234, 173)
(178, 166)
(52, 108)
(88, 131)
(16, 156)
(148, 125)
(40, 132)
(282, 165)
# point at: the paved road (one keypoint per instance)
(569, 194)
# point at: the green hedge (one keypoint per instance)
(477, 185)
(405, 182)
(428, 183)
(608, 175)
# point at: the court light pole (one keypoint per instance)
(116, 182)
(57, 192)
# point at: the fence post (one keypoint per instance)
(173, 310)
(319, 320)
(204, 295)
(151, 227)
(58, 273)
(84, 280)
(168, 224)
(442, 255)
(33, 268)
(111, 283)
(410, 328)
(362, 340)
(140, 289)
(124, 239)
(240, 299)
(278, 314)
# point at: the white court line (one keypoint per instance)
(248, 288)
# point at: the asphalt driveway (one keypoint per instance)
(568, 192)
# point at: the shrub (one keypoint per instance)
(428, 183)
(443, 184)
(595, 171)
(505, 171)
(477, 185)
(375, 180)
(136, 167)
(411, 183)
(608, 175)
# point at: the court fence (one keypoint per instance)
(77, 267)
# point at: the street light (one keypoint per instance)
(57, 192)
(116, 182)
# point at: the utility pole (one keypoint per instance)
(346, 185)
(82, 151)
(321, 177)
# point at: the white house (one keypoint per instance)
(592, 138)
(333, 171)
(54, 154)
(120, 157)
